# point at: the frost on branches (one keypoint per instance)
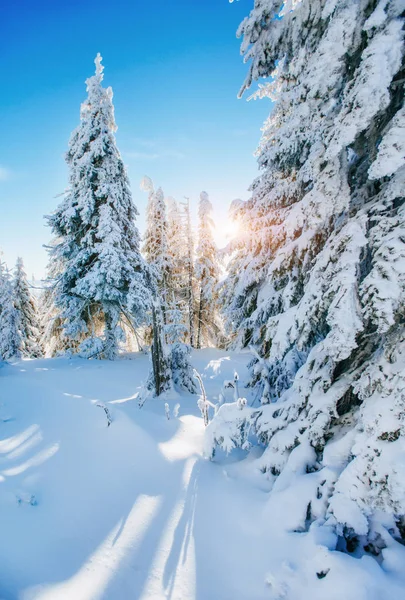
(96, 245)
(207, 274)
(316, 284)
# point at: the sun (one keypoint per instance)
(230, 229)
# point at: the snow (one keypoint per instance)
(134, 510)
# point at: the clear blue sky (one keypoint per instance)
(175, 70)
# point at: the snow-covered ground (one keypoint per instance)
(134, 511)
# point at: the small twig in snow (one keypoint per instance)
(107, 413)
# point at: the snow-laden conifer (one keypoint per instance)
(317, 276)
(96, 239)
(180, 352)
(155, 243)
(177, 248)
(189, 268)
(207, 275)
(28, 322)
(10, 338)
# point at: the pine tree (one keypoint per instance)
(163, 247)
(318, 274)
(207, 274)
(96, 242)
(189, 267)
(155, 243)
(10, 339)
(177, 248)
(28, 324)
(53, 340)
(170, 356)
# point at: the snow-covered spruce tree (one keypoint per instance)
(170, 356)
(177, 248)
(180, 352)
(317, 281)
(97, 242)
(10, 339)
(28, 322)
(155, 244)
(53, 340)
(177, 301)
(207, 275)
(189, 267)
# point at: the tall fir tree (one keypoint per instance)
(207, 275)
(96, 242)
(317, 277)
(28, 322)
(10, 339)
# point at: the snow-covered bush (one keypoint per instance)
(230, 428)
(182, 371)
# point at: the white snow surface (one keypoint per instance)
(135, 511)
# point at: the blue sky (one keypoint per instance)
(175, 70)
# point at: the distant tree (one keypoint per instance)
(189, 268)
(177, 248)
(96, 244)
(53, 340)
(155, 244)
(28, 323)
(10, 339)
(164, 246)
(207, 274)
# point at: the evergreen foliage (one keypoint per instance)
(10, 338)
(96, 244)
(317, 275)
(155, 244)
(25, 305)
(207, 275)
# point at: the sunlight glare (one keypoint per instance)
(231, 229)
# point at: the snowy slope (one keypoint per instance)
(134, 511)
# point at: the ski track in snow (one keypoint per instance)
(134, 511)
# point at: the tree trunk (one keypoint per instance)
(200, 313)
(110, 347)
(156, 353)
